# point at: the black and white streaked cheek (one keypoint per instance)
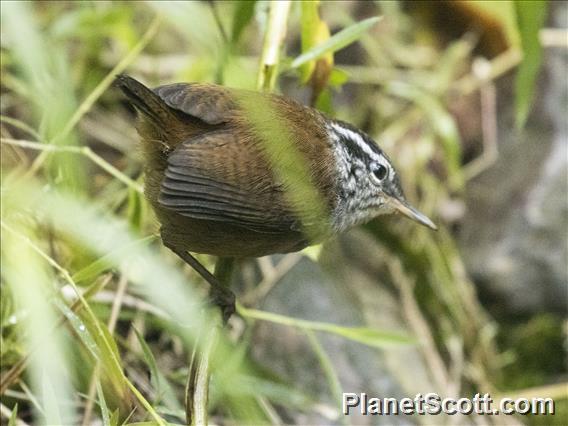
(361, 195)
(358, 195)
(365, 145)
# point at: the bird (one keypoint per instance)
(237, 173)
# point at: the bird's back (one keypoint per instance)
(209, 164)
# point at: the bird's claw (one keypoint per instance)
(225, 300)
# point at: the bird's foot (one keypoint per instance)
(225, 300)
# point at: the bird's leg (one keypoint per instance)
(197, 386)
(220, 294)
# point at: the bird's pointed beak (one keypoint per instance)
(410, 212)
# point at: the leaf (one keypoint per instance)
(336, 42)
(310, 24)
(369, 336)
(106, 262)
(102, 403)
(100, 344)
(324, 102)
(164, 391)
(326, 365)
(150, 361)
(109, 351)
(13, 416)
(244, 11)
(114, 417)
(365, 335)
(282, 394)
(313, 252)
(338, 77)
(80, 329)
(530, 19)
(135, 209)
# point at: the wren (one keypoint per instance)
(213, 186)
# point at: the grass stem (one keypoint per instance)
(273, 38)
(105, 83)
(81, 150)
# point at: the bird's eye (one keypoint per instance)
(380, 172)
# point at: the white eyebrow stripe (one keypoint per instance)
(359, 141)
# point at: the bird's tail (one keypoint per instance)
(145, 100)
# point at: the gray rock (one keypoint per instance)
(342, 289)
(514, 237)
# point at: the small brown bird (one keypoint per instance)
(214, 180)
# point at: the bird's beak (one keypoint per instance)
(409, 211)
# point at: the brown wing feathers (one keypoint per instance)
(200, 183)
(218, 171)
(210, 103)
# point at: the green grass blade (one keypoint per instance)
(30, 281)
(243, 13)
(80, 329)
(364, 335)
(13, 416)
(530, 19)
(150, 361)
(329, 371)
(135, 209)
(105, 262)
(337, 41)
(105, 83)
(280, 393)
(105, 414)
(100, 344)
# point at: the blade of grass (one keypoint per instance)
(135, 212)
(13, 419)
(83, 332)
(105, 342)
(21, 125)
(82, 150)
(17, 369)
(310, 23)
(100, 344)
(13, 416)
(329, 371)
(530, 17)
(111, 325)
(105, 262)
(243, 13)
(109, 79)
(364, 335)
(105, 414)
(279, 393)
(150, 361)
(336, 42)
(29, 279)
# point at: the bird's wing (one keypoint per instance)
(218, 177)
(210, 103)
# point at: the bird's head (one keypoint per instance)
(368, 184)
